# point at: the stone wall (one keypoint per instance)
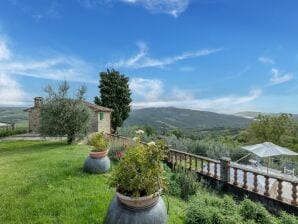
(94, 121)
(105, 124)
(34, 117)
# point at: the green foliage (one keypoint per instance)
(208, 209)
(281, 130)
(116, 152)
(99, 142)
(63, 115)
(183, 185)
(178, 133)
(140, 172)
(256, 212)
(286, 218)
(149, 130)
(188, 120)
(17, 131)
(114, 94)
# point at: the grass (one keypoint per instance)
(43, 182)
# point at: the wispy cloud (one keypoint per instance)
(59, 67)
(278, 77)
(4, 51)
(142, 60)
(148, 89)
(170, 7)
(55, 68)
(184, 99)
(11, 92)
(266, 60)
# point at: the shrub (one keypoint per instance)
(210, 209)
(116, 152)
(140, 171)
(183, 185)
(99, 142)
(254, 211)
(287, 219)
(18, 131)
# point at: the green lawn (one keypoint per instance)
(43, 182)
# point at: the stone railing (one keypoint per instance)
(272, 184)
(235, 177)
(191, 162)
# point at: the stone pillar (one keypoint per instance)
(225, 169)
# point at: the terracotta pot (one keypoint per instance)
(98, 155)
(139, 202)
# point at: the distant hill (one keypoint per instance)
(14, 115)
(172, 118)
(254, 114)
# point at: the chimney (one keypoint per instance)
(38, 101)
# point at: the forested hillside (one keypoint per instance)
(173, 118)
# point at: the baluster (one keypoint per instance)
(208, 168)
(267, 186)
(279, 190)
(196, 164)
(185, 162)
(235, 176)
(180, 162)
(215, 170)
(175, 164)
(244, 179)
(294, 194)
(255, 189)
(190, 163)
(170, 157)
(202, 166)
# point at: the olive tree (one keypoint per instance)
(63, 115)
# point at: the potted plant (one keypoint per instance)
(97, 161)
(139, 180)
(100, 144)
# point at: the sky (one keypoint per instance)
(217, 55)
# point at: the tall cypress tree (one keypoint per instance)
(115, 94)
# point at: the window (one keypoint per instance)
(100, 115)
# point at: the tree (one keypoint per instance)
(114, 94)
(277, 129)
(62, 115)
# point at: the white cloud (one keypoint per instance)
(151, 92)
(142, 60)
(266, 60)
(11, 93)
(148, 89)
(4, 51)
(181, 94)
(278, 78)
(54, 68)
(170, 7)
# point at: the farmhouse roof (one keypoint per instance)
(92, 106)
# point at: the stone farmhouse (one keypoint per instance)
(100, 117)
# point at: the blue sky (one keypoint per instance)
(217, 55)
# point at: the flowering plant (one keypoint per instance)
(99, 142)
(140, 172)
